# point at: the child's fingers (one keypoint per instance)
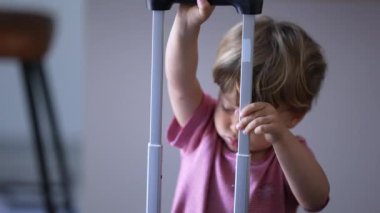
(202, 3)
(244, 121)
(257, 123)
(263, 129)
(251, 112)
(252, 108)
(205, 9)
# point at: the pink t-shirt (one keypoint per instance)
(207, 171)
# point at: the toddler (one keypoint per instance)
(288, 72)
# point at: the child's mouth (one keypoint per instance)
(234, 143)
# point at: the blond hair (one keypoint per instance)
(288, 64)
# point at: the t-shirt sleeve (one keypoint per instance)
(188, 137)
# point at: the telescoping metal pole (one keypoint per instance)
(241, 199)
(154, 173)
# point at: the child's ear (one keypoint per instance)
(295, 119)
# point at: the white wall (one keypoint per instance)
(341, 129)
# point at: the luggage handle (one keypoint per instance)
(242, 6)
(248, 8)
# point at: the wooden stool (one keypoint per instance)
(26, 37)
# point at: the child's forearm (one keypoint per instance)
(181, 64)
(305, 176)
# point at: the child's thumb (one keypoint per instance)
(202, 3)
(205, 8)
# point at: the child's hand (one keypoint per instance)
(195, 15)
(262, 119)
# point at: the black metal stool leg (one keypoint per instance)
(29, 74)
(57, 143)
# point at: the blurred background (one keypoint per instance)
(19, 180)
(99, 64)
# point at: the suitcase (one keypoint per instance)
(248, 9)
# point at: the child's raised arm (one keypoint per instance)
(182, 58)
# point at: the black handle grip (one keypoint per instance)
(251, 7)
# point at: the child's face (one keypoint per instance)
(226, 117)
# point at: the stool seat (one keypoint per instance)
(24, 35)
